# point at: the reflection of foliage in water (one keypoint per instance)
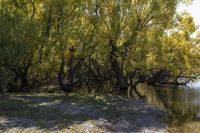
(181, 103)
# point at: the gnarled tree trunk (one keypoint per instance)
(66, 81)
(133, 85)
(121, 79)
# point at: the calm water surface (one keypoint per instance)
(182, 103)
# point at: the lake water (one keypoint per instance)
(182, 103)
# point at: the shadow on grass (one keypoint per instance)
(55, 112)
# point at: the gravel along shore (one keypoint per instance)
(78, 113)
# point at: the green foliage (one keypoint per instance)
(36, 36)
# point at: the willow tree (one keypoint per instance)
(63, 22)
(19, 39)
(93, 40)
(170, 55)
(180, 48)
(123, 24)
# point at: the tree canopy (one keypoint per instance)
(73, 43)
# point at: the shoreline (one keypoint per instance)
(84, 113)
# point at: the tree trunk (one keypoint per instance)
(3, 89)
(121, 79)
(64, 87)
(67, 82)
(133, 86)
(22, 75)
(24, 81)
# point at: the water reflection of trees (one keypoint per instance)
(181, 103)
